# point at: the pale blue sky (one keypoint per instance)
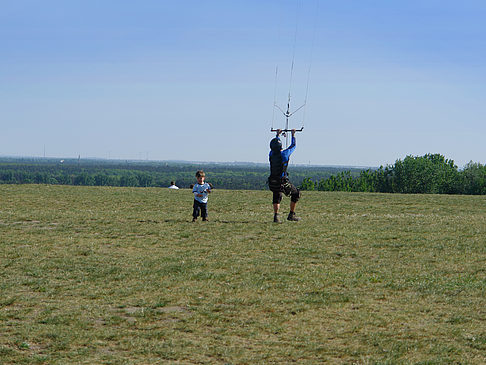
(195, 80)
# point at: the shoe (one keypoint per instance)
(292, 217)
(276, 218)
(194, 219)
(205, 220)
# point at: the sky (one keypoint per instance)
(197, 80)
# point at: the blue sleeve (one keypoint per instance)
(287, 152)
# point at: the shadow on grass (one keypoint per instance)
(222, 221)
(235, 222)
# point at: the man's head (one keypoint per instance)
(200, 176)
(276, 144)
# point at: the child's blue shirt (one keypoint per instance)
(201, 189)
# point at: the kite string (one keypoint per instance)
(274, 96)
(310, 61)
(294, 47)
(297, 19)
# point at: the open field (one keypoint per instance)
(92, 275)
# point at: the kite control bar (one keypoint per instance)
(286, 130)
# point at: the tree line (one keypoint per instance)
(147, 174)
(428, 174)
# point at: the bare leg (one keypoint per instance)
(276, 207)
(292, 206)
(292, 216)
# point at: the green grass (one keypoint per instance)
(121, 276)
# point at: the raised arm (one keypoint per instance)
(287, 152)
(293, 142)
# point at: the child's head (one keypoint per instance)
(200, 176)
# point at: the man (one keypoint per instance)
(278, 180)
(173, 185)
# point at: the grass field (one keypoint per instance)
(92, 275)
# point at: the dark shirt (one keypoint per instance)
(285, 154)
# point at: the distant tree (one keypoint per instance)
(308, 184)
(7, 177)
(23, 177)
(84, 179)
(384, 179)
(366, 182)
(431, 173)
(145, 179)
(102, 179)
(63, 179)
(474, 178)
(128, 179)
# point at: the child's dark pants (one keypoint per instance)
(198, 206)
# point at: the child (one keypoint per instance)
(201, 191)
